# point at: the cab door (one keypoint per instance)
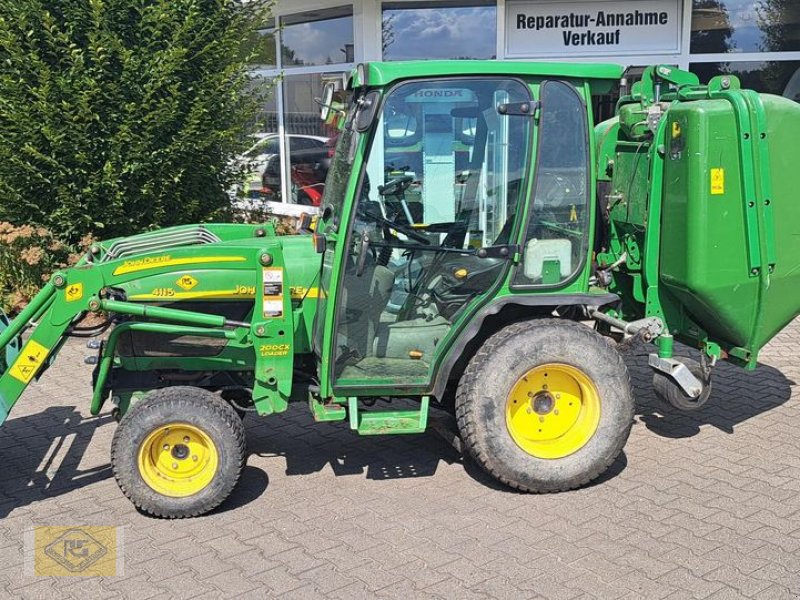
(430, 234)
(555, 246)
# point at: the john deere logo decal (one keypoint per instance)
(187, 282)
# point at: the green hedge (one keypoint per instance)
(122, 115)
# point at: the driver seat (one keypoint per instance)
(371, 291)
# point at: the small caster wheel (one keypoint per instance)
(671, 392)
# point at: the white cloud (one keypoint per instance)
(443, 33)
(316, 43)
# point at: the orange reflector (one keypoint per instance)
(304, 222)
(415, 354)
(319, 242)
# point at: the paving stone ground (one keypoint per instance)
(701, 505)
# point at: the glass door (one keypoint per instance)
(440, 191)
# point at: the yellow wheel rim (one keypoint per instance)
(553, 411)
(178, 460)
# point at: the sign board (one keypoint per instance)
(590, 28)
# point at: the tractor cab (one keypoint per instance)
(445, 190)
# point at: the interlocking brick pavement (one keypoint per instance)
(701, 505)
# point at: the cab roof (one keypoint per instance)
(385, 73)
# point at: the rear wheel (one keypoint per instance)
(545, 406)
(179, 452)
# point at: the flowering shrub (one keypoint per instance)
(28, 256)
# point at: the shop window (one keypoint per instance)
(291, 166)
(320, 37)
(439, 30)
(722, 26)
(261, 44)
(311, 141)
(772, 77)
(263, 151)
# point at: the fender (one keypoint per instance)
(470, 332)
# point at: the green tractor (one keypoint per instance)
(481, 247)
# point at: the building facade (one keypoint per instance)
(310, 42)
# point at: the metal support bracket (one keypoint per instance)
(679, 373)
(649, 328)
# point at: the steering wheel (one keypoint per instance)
(395, 186)
(376, 217)
(404, 229)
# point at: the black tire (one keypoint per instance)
(671, 392)
(494, 372)
(196, 408)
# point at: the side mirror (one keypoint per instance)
(368, 107)
(326, 101)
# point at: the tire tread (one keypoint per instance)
(468, 387)
(177, 397)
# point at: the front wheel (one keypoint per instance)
(179, 452)
(545, 406)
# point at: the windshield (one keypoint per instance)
(339, 173)
(266, 145)
(333, 197)
(443, 155)
(341, 164)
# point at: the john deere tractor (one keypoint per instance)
(481, 248)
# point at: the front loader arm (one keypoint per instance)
(53, 311)
(41, 344)
(91, 286)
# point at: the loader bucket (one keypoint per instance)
(8, 354)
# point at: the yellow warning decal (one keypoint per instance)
(187, 282)
(28, 362)
(74, 292)
(717, 181)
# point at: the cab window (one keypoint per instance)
(555, 243)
